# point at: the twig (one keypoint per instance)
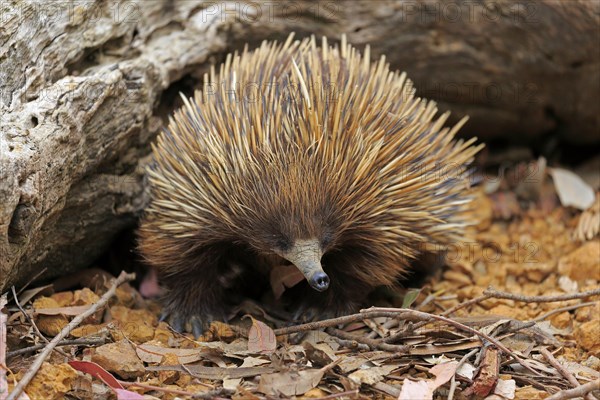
(372, 343)
(404, 333)
(576, 392)
(559, 310)
(562, 370)
(458, 325)
(157, 388)
(32, 322)
(326, 323)
(124, 277)
(460, 364)
(351, 344)
(75, 342)
(540, 299)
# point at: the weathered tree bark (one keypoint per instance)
(85, 86)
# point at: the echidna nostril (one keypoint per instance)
(320, 281)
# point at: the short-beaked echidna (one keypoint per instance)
(304, 155)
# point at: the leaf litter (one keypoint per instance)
(515, 314)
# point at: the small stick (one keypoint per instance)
(350, 344)
(123, 277)
(559, 310)
(75, 342)
(460, 364)
(326, 323)
(576, 392)
(372, 343)
(563, 371)
(540, 299)
(447, 312)
(157, 388)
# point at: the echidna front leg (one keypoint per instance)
(191, 305)
(194, 300)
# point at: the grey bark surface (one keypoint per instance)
(85, 86)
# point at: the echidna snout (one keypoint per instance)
(306, 255)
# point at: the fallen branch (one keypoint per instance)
(326, 323)
(463, 327)
(371, 343)
(490, 291)
(576, 392)
(75, 342)
(559, 310)
(408, 332)
(124, 277)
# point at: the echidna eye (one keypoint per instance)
(282, 244)
(326, 240)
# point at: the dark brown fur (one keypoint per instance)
(238, 183)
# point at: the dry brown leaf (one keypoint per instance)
(371, 375)
(412, 390)
(505, 388)
(319, 354)
(149, 353)
(261, 338)
(291, 383)
(284, 277)
(253, 362)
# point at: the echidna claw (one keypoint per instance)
(197, 326)
(177, 323)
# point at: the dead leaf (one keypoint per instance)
(571, 189)
(506, 388)
(70, 311)
(97, 372)
(284, 277)
(424, 390)
(261, 338)
(443, 373)
(153, 354)
(371, 375)
(253, 362)
(319, 354)
(31, 293)
(412, 390)
(231, 384)
(291, 383)
(410, 297)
